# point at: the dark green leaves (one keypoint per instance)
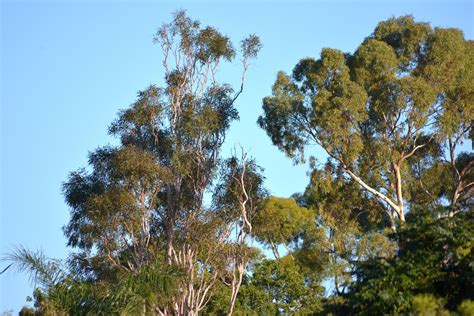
(435, 257)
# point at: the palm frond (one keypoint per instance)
(153, 285)
(42, 270)
(8, 267)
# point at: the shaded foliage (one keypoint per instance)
(436, 259)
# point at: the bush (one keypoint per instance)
(466, 308)
(428, 305)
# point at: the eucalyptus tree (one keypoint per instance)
(237, 200)
(144, 199)
(407, 88)
(351, 227)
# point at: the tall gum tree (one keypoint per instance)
(145, 198)
(406, 88)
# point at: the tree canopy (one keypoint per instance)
(404, 96)
(163, 224)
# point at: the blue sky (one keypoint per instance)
(68, 67)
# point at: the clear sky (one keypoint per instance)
(68, 67)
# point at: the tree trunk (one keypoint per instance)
(398, 184)
(235, 287)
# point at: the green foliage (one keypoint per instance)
(64, 293)
(466, 308)
(390, 116)
(151, 286)
(282, 286)
(404, 35)
(348, 227)
(229, 191)
(322, 99)
(427, 304)
(44, 271)
(146, 240)
(435, 257)
(26, 311)
(288, 221)
(290, 287)
(252, 300)
(276, 287)
(379, 111)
